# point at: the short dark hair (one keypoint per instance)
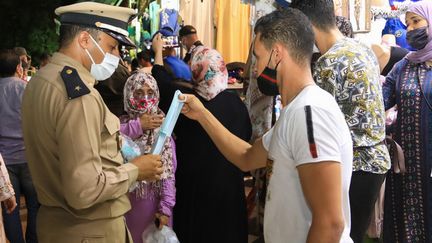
(146, 55)
(134, 64)
(69, 32)
(44, 57)
(9, 61)
(187, 30)
(320, 12)
(291, 28)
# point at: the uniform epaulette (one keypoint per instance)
(75, 87)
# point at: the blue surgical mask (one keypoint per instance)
(168, 123)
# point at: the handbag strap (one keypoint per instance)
(397, 156)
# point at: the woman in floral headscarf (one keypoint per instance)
(210, 200)
(154, 200)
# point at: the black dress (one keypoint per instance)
(210, 199)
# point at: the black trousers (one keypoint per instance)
(363, 193)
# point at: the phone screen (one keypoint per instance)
(170, 41)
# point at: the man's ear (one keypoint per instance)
(278, 52)
(84, 40)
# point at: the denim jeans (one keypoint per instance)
(22, 183)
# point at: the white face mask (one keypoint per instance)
(104, 69)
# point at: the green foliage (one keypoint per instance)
(30, 24)
(42, 39)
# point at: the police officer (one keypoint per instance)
(72, 139)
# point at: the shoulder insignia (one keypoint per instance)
(75, 87)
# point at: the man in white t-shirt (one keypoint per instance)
(308, 151)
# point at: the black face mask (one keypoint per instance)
(417, 38)
(267, 80)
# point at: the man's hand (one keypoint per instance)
(149, 167)
(157, 43)
(163, 220)
(10, 204)
(193, 108)
(149, 122)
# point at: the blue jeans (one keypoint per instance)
(22, 183)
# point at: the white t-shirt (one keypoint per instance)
(287, 216)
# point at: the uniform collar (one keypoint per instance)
(64, 60)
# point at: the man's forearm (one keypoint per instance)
(325, 232)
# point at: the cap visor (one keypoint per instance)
(123, 40)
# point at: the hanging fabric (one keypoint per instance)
(233, 30)
(199, 14)
(171, 4)
(260, 110)
(154, 9)
(169, 19)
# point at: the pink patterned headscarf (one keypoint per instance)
(145, 142)
(208, 72)
(424, 9)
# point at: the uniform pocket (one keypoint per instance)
(111, 136)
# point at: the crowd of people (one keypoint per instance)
(76, 140)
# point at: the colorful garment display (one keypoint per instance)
(154, 9)
(168, 19)
(200, 15)
(260, 109)
(394, 26)
(170, 4)
(233, 30)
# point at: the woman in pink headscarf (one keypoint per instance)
(153, 200)
(408, 197)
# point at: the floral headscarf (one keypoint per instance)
(136, 107)
(208, 72)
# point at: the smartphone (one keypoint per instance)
(170, 41)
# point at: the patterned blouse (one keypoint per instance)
(350, 72)
(6, 189)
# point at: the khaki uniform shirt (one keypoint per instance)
(73, 148)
